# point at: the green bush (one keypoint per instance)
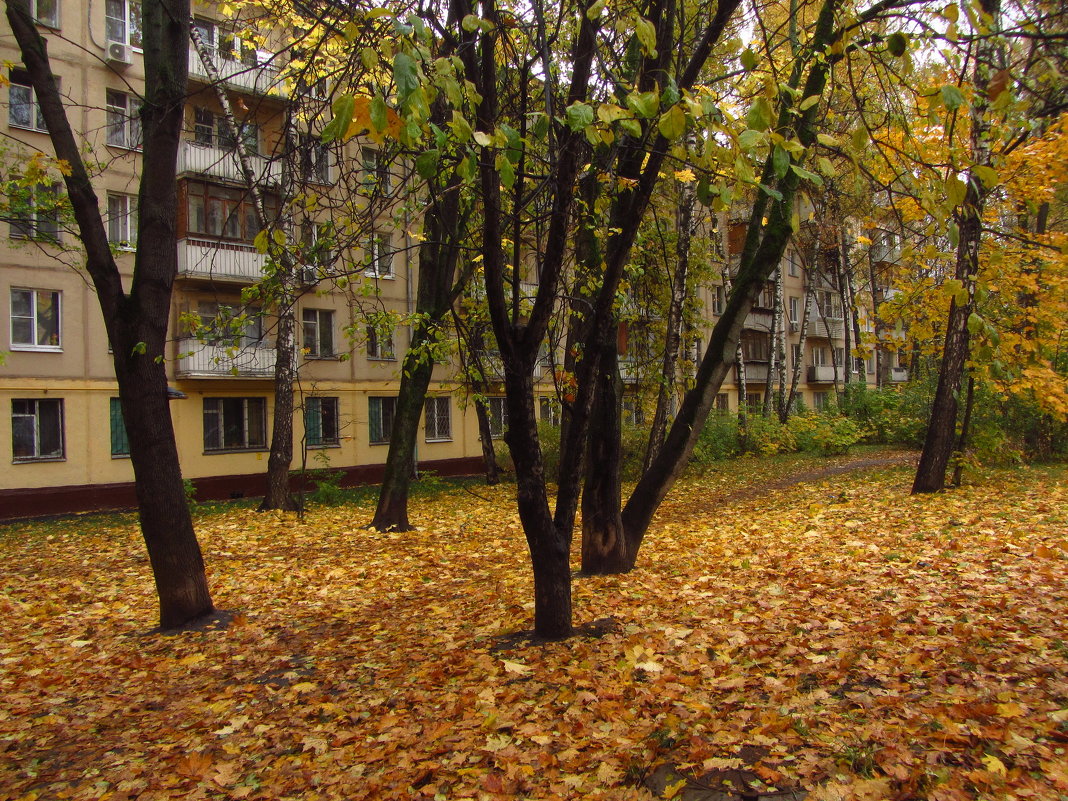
(827, 434)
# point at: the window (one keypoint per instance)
(719, 301)
(820, 400)
(380, 419)
(35, 211)
(321, 422)
(45, 12)
(549, 410)
(379, 256)
(828, 303)
(438, 419)
(497, 410)
(36, 429)
(120, 443)
(376, 171)
(380, 344)
(23, 111)
(122, 22)
(206, 29)
(122, 220)
(723, 404)
(754, 401)
(234, 424)
(314, 160)
(230, 326)
(795, 310)
(793, 266)
(124, 124)
(234, 48)
(766, 298)
(756, 346)
(795, 353)
(35, 319)
(319, 333)
(820, 357)
(633, 413)
(224, 213)
(248, 134)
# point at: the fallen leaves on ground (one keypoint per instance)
(862, 643)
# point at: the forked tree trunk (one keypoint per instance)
(137, 322)
(941, 429)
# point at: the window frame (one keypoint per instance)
(123, 128)
(37, 224)
(125, 217)
(20, 80)
(437, 408)
(497, 413)
(248, 406)
(35, 9)
(380, 422)
(312, 332)
(376, 173)
(35, 416)
(379, 348)
(379, 252)
(35, 320)
(321, 404)
(130, 22)
(232, 204)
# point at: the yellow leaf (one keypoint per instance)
(994, 765)
(672, 790)
(1010, 710)
(515, 667)
(192, 659)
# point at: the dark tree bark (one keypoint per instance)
(941, 429)
(965, 429)
(137, 322)
(485, 437)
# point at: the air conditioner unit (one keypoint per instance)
(119, 53)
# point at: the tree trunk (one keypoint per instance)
(137, 323)
(941, 429)
(604, 548)
(965, 427)
(802, 340)
(485, 436)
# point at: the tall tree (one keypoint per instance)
(136, 321)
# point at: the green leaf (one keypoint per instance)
(808, 102)
(748, 139)
(770, 192)
(609, 113)
(975, 323)
(780, 161)
(343, 107)
(378, 113)
(743, 170)
(805, 175)
(988, 175)
(749, 60)
(646, 34)
(369, 58)
(279, 237)
(859, 138)
(825, 166)
(672, 125)
(644, 104)
(593, 13)
(826, 140)
(579, 115)
(460, 126)
(952, 97)
(426, 163)
(670, 95)
(631, 127)
(897, 44)
(260, 242)
(951, 12)
(505, 170)
(405, 75)
(470, 23)
(955, 190)
(759, 116)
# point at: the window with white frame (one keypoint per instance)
(497, 410)
(36, 429)
(122, 22)
(438, 413)
(235, 424)
(828, 304)
(314, 159)
(206, 29)
(120, 442)
(248, 134)
(375, 171)
(35, 319)
(34, 212)
(123, 122)
(380, 344)
(795, 310)
(45, 12)
(321, 427)
(821, 356)
(795, 353)
(379, 256)
(380, 412)
(122, 220)
(820, 400)
(549, 410)
(719, 301)
(23, 110)
(318, 333)
(633, 412)
(230, 326)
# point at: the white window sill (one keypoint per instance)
(36, 459)
(215, 451)
(430, 441)
(38, 348)
(380, 276)
(381, 358)
(27, 127)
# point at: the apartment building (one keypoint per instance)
(66, 439)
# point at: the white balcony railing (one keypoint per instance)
(899, 374)
(821, 374)
(260, 79)
(759, 320)
(219, 261)
(755, 373)
(219, 163)
(828, 327)
(198, 359)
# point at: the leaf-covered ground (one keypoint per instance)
(837, 637)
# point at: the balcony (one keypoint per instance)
(755, 373)
(216, 162)
(759, 319)
(825, 327)
(821, 374)
(899, 374)
(219, 261)
(259, 79)
(198, 359)
(628, 370)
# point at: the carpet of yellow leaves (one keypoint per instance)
(866, 643)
